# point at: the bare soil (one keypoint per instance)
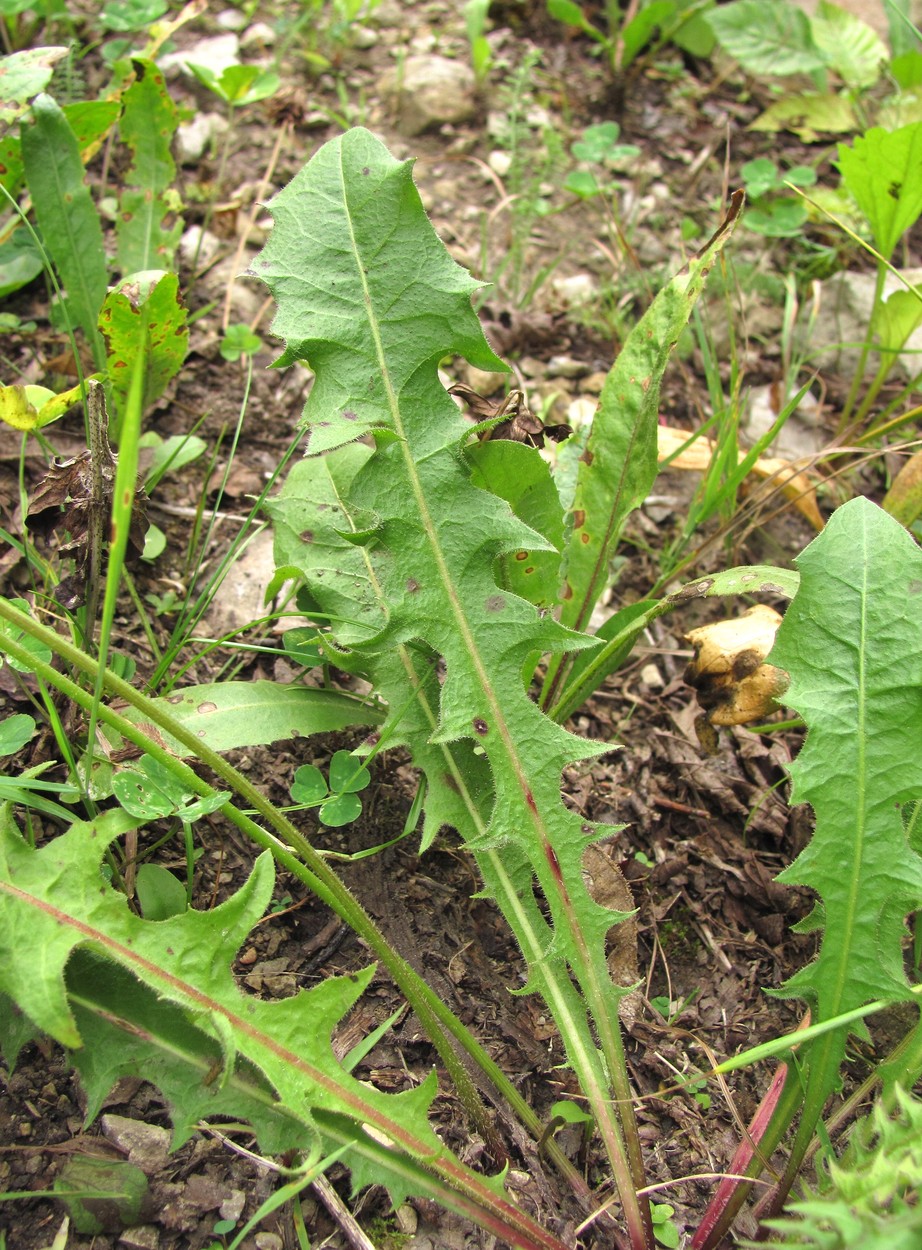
(702, 838)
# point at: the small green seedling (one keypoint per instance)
(599, 146)
(239, 340)
(771, 211)
(238, 85)
(338, 801)
(664, 1227)
(149, 790)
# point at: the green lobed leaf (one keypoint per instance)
(55, 899)
(163, 336)
(851, 642)
(324, 301)
(514, 473)
(881, 170)
(367, 294)
(148, 123)
(66, 214)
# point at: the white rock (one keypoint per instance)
(259, 35)
(429, 91)
(193, 137)
(578, 289)
(231, 19)
(215, 53)
(198, 247)
(500, 162)
(842, 322)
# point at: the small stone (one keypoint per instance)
(216, 53)
(500, 162)
(407, 1219)
(231, 19)
(268, 1241)
(142, 1237)
(259, 35)
(566, 367)
(363, 37)
(428, 91)
(580, 413)
(484, 383)
(146, 1145)
(594, 383)
(232, 1206)
(198, 247)
(192, 138)
(651, 676)
(578, 289)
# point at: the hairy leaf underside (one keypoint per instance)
(852, 644)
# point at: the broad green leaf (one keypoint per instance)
(20, 405)
(390, 306)
(148, 123)
(23, 75)
(619, 465)
(55, 899)
(309, 785)
(95, 1189)
(809, 115)
(129, 15)
(748, 579)
(771, 39)
(347, 773)
(160, 894)
(230, 714)
(19, 636)
(15, 732)
(66, 214)
(519, 475)
(881, 170)
(20, 262)
(849, 46)
(341, 810)
(164, 341)
(897, 317)
(851, 642)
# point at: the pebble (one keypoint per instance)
(142, 1237)
(579, 288)
(566, 367)
(259, 35)
(146, 1145)
(193, 137)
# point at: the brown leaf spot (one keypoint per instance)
(495, 603)
(480, 726)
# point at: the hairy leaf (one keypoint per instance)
(149, 120)
(66, 214)
(881, 170)
(162, 336)
(374, 330)
(55, 899)
(852, 643)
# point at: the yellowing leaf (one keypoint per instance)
(19, 405)
(790, 477)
